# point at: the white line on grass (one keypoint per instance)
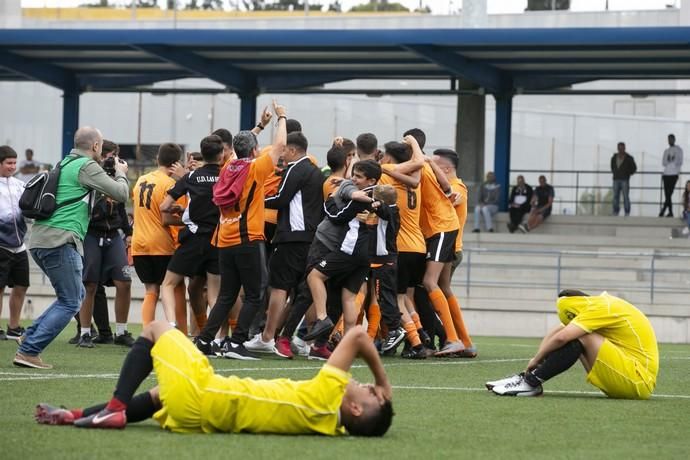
(565, 392)
(17, 376)
(13, 376)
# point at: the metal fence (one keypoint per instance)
(655, 272)
(585, 192)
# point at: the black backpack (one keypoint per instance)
(39, 200)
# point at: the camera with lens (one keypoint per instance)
(109, 166)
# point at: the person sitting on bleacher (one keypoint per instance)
(542, 202)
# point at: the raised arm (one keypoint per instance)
(280, 138)
(416, 162)
(410, 180)
(356, 343)
(266, 116)
(440, 177)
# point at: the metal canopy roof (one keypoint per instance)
(501, 61)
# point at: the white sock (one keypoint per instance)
(120, 328)
(173, 323)
(218, 341)
(85, 331)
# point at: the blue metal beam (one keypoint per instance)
(547, 38)
(36, 70)
(224, 74)
(541, 82)
(504, 114)
(70, 118)
(247, 111)
(288, 80)
(476, 72)
(92, 82)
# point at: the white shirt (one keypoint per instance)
(672, 160)
(11, 218)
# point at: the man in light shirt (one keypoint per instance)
(672, 161)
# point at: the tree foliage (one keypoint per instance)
(379, 5)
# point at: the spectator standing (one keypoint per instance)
(520, 203)
(542, 203)
(56, 243)
(672, 161)
(487, 203)
(14, 262)
(28, 168)
(622, 166)
(686, 207)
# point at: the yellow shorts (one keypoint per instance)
(182, 372)
(617, 374)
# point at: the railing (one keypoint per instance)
(650, 272)
(590, 192)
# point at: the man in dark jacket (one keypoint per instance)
(622, 166)
(105, 263)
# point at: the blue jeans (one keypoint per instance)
(618, 187)
(63, 266)
(487, 211)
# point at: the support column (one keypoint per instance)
(247, 111)
(70, 119)
(504, 114)
(469, 140)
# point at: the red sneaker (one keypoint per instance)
(49, 415)
(321, 353)
(283, 348)
(103, 419)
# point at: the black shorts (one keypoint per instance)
(195, 255)
(341, 269)
(317, 251)
(411, 267)
(287, 265)
(14, 268)
(151, 269)
(441, 247)
(105, 260)
(546, 212)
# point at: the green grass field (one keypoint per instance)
(442, 411)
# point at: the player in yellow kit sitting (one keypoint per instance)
(190, 397)
(614, 341)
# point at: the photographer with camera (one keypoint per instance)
(56, 242)
(105, 263)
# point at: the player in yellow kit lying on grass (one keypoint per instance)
(614, 341)
(190, 397)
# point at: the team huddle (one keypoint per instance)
(266, 239)
(331, 250)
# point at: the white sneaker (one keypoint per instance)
(301, 347)
(495, 383)
(517, 388)
(257, 345)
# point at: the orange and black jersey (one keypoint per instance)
(245, 221)
(150, 237)
(460, 206)
(201, 215)
(410, 237)
(383, 235)
(298, 201)
(438, 214)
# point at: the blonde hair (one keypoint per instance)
(386, 194)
